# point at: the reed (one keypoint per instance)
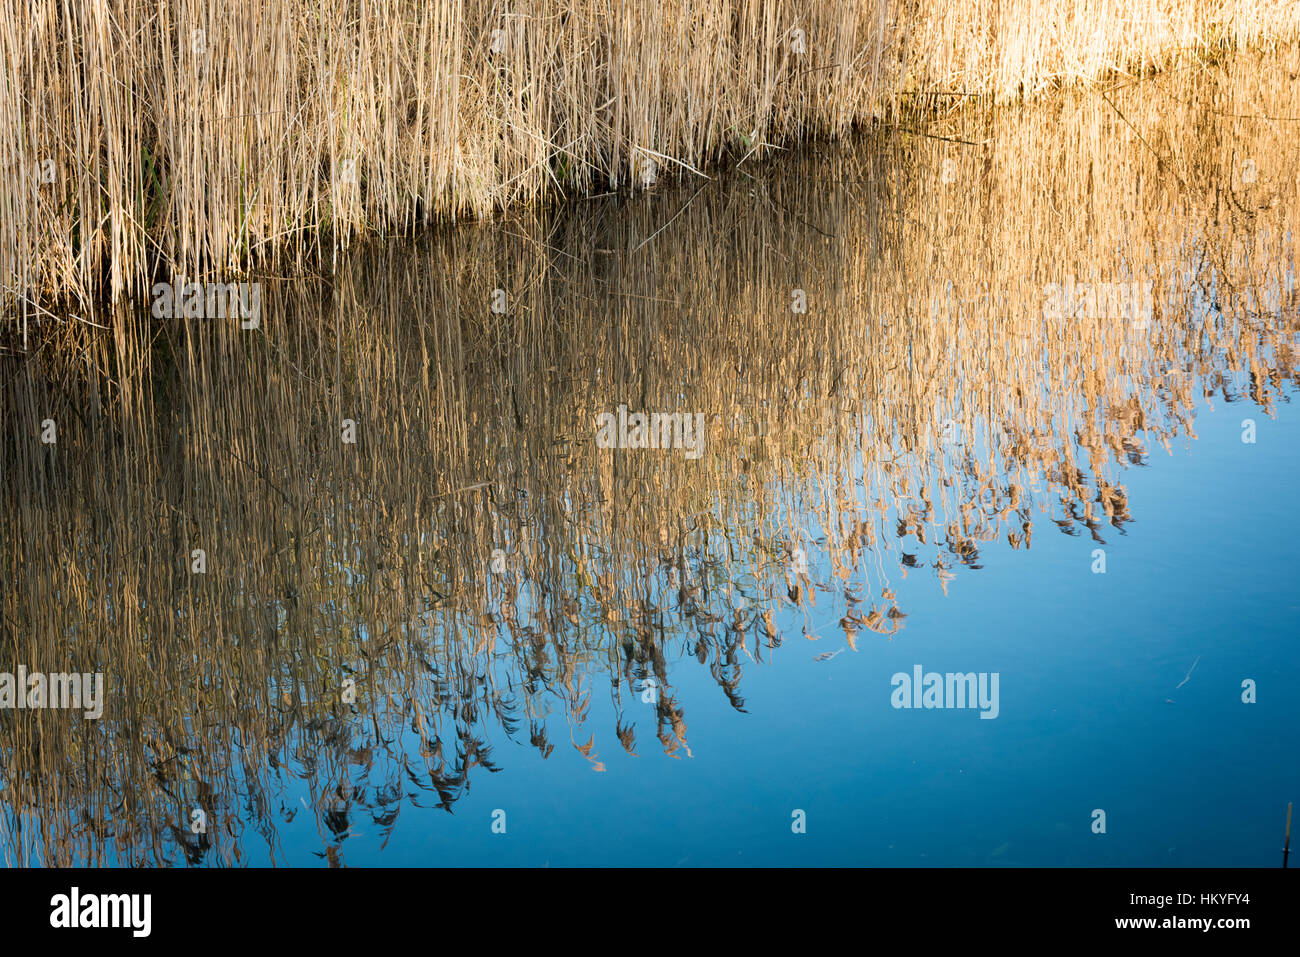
(1011, 49)
(199, 139)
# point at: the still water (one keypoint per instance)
(369, 585)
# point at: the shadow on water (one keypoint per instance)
(886, 389)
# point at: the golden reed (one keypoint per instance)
(144, 141)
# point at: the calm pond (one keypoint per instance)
(386, 579)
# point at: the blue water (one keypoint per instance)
(1092, 714)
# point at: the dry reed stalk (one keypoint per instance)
(198, 139)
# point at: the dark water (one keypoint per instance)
(474, 636)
